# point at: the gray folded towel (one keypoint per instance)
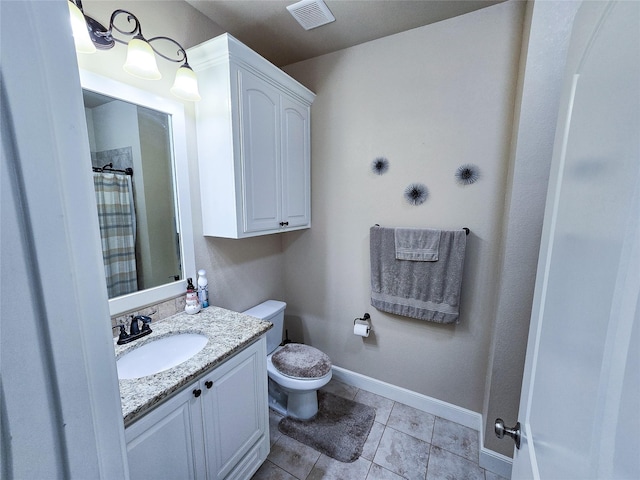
(417, 244)
(423, 290)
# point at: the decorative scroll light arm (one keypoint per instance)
(137, 28)
(136, 31)
(181, 53)
(140, 51)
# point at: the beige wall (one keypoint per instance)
(241, 273)
(429, 99)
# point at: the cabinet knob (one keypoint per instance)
(197, 392)
(208, 384)
(284, 224)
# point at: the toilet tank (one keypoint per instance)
(270, 311)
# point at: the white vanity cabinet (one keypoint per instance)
(216, 428)
(254, 146)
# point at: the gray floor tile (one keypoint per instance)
(269, 471)
(444, 465)
(373, 440)
(293, 456)
(402, 443)
(456, 438)
(382, 405)
(402, 454)
(376, 472)
(412, 421)
(341, 389)
(327, 468)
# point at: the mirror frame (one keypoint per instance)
(122, 91)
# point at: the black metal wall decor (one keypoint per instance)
(467, 174)
(416, 193)
(380, 166)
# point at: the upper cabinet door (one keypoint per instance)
(261, 175)
(296, 164)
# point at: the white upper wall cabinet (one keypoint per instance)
(254, 143)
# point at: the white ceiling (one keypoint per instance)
(268, 28)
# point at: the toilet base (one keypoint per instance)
(299, 404)
(302, 405)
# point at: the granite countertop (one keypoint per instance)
(228, 332)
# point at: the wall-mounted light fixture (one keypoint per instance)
(89, 35)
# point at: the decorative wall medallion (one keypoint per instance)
(416, 193)
(467, 174)
(380, 166)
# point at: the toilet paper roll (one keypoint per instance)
(361, 329)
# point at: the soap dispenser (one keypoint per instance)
(192, 304)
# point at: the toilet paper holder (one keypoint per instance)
(365, 319)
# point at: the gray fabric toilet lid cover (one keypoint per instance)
(301, 361)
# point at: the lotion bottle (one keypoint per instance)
(203, 288)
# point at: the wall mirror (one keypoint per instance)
(139, 158)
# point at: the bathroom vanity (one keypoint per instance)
(206, 417)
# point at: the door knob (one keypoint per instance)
(514, 432)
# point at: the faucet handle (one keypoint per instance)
(123, 333)
(145, 322)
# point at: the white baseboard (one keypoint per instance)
(495, 462)
(488, 459)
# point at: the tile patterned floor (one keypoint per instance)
(404, 443)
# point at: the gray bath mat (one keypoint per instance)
(339, 429)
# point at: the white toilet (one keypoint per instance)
(296, 371)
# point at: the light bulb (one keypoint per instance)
(185, 85)
(81, 36)
(141, 61)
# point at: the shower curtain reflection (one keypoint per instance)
(116, 216)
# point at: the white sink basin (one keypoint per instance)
(160, 355)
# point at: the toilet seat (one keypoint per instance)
(296, 384)
(301, 362)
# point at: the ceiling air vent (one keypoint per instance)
(311, 13)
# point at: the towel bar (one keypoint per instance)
(466, 230)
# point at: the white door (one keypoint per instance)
(581, 390)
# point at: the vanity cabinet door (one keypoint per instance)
(167, 443)
(235, 410)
